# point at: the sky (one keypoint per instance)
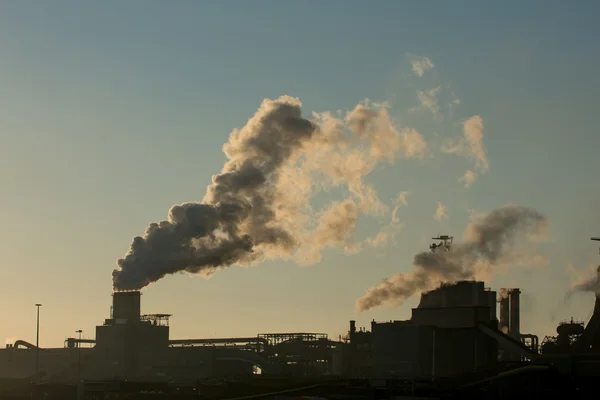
(111, 112)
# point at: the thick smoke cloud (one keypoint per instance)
(258, 206)
(487, 242)
(236, 213)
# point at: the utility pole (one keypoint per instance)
(79, 355)
(37, 342)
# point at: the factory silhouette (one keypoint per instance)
(463, 339)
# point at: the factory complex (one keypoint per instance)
(460, 333)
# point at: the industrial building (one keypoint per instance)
(457, 330)
(454, 329)
(129, 345)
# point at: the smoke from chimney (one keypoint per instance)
(258, 206)
(589, 282)
(487, 242)
(501, 294)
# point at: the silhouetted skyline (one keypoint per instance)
(113, 112)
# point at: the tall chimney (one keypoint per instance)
(491, 301)
(504, 313)
(514, 328)
(126, 306)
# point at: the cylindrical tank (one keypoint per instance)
(570, 328)
(514, 327)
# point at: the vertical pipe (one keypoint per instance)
(504, 314)
(79, 356)
(515, 314)
(37, 341)
(491, 302)
(352, 353)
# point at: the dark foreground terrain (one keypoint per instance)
(529, 382)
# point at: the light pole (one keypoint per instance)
(79, 355)
(37, 341)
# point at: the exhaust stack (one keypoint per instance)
(514, 328)
(503, 321)
(126, 306)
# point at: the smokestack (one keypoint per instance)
(127, 306)
(352, 327)
(514, 328)
(491, 301)
(504, 311)
(490, 240)
(256, 207)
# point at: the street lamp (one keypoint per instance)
(37, 341)
(79, 354)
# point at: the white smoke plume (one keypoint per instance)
(588, 281)
(420, 65)
(471, 147)
(501, 294)
(388, 232)
(429, 101)
(258, 206)
(401, 201)
(468, 178)
(486, 242)
(441, 212)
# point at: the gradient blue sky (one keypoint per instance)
(111, 112)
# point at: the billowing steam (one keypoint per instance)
(501, 294)
(487, 242)
(258, 206)
(587, 282)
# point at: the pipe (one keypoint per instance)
(514, 327)
(507, 342)
(37, 341)
(25, 344)
(219, 340)
(491, 301)
(504, 315)
(534, 341)
(71, 342)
